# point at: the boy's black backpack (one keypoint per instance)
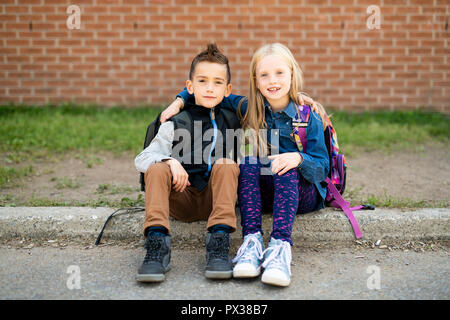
(185, 121)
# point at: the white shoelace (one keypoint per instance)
(247, 254)
(279, 257)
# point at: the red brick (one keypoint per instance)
(152, 42)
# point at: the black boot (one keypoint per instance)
(157, 260)
(218, 262)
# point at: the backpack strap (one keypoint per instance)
(152, 129)
(339, 202)
(300, 123)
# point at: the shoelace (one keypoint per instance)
(153, 250)
(219, 249)
(245, 254)
(280, 256)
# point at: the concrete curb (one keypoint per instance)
(42, 223)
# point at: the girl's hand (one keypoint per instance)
(173, 109)
(303, 99)
(179, 175)
(284, 162)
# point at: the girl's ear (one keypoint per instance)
(189, 87)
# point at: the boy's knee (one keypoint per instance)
(159, 169)
(224, 161)
(225, 164)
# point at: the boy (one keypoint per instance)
(184, 187)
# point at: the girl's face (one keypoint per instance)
(273, 80)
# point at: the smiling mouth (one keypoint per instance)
(273, 89)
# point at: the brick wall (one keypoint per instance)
(138, 51)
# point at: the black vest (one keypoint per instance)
(194, 139)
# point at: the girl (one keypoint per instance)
(290, 181)
(293, 185)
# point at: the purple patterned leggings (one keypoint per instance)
(285, 195)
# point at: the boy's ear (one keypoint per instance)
(228, 91)
(189, 86)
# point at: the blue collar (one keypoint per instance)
(290, 110)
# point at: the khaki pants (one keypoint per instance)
(215, 203)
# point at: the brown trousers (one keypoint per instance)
(216, 203)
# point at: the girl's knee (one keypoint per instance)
(250, 165)
(291, 176)
(250, 160)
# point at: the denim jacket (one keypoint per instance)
(315, 162)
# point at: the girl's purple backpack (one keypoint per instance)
(337, 175)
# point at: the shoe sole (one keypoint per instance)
(219, 274)
(267, 279)
(150, 277)
(242, 273)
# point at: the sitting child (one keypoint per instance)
(184, 187)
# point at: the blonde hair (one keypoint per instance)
(254, 118)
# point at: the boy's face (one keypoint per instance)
(209, 84)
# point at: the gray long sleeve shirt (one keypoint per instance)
(158, 150)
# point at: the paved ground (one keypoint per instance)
(350, 272)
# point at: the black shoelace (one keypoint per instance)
(154, 252)
(219, 248)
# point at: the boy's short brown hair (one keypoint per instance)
(211, 54)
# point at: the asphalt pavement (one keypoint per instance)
(323, 271)
(49, 254)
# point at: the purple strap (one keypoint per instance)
(339, 202)
(304, 112)
(302, 136)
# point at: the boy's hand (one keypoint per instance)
(179, 175)
(173, 109)
(303, 99)
(284, 162)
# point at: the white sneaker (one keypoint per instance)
(277, 263)
(249, 257)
